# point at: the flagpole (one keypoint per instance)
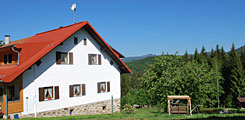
(74, 16)
(73, 8)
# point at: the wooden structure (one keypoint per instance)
(179, 109)
(13, 106)
(241, 102)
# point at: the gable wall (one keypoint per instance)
(51, 74)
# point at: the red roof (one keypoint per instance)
(35, 47)
(241, 99)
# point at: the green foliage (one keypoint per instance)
(211, 79)
(135, 97)
(170, 75)
(1, 43)
(140, 65)
(129, 109)
(125, 84)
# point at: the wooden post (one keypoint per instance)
(190, 107)
(169, 107)
(187, 106)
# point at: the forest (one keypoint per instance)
(211, 79)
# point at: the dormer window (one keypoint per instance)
(7, 59)
(10, 58)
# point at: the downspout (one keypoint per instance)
(6, 103)
(18, 54)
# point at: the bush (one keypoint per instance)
(135, 97)
(129, 109)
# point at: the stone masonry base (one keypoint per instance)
(101, 107)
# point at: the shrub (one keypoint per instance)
(129, 109)
(135, 97)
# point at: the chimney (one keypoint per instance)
(7, 39)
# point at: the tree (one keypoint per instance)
(212, 53)
(1, 43)
(196, 56)
(231, 77)
(203, 55)
(217, 51)
(170, 75)
(186, 57)
(135, 83)
(243, 58)
(237, 79)
(125, 84)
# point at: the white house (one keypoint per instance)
(69, 70)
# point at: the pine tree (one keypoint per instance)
(186, 57)
(229, 82)
(237, 79)
(217, 51)
(243, 58)
(212, 53)
(222, 54)
(203, 55)
(125, 84)
(225, 74)
(196, 56)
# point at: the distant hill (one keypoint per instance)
(239, 50)
(129, 59)
(140, 65)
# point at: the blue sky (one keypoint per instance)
(135, 27)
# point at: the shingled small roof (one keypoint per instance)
(35, 47)
(241, 99)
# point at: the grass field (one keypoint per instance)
(147, 114)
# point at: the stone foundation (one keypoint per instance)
(101, 107)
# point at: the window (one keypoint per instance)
(77, 90)
(48, 93)
(1, 94)
(64, 58)
(5, 59)
(10, 58)
(13, 92)
(94, 59)
(85, 41)
(103, 87)
(75, 40)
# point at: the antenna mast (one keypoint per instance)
(73, 8)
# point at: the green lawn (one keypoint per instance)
(147, 114)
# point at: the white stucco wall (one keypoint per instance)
(51, 74)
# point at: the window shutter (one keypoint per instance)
(98, 86)
(99, 59)
(57, 96)
(108, 86)
(41, 94)
(71, 91)
(70, 58)
(83, 90)
(89, 59)
(58, 58)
